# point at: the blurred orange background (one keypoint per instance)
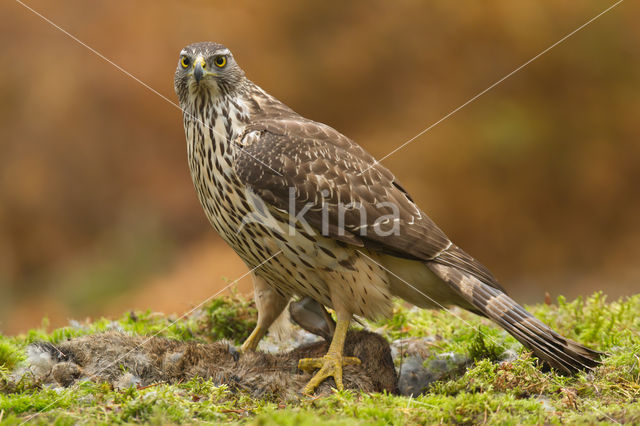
(538, 178)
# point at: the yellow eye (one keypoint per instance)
(220, 61)
(184, 61)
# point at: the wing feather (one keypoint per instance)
(325, 169)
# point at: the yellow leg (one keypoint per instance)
(254, 338)
(331, 364)
(270, 304)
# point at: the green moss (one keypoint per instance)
(230, 317)
(10, 355)
(515, 392)
(483, 347)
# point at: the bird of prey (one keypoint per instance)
(313, 214)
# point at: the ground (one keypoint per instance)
(515, 391)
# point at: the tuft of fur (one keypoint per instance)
(124, 360)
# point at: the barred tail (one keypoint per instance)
(562, 354)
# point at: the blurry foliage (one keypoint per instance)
(229, 317)
(537, 178)
(9, 355)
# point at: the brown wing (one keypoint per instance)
(330, 175)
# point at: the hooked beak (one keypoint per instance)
(199, 69)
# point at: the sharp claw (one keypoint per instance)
(329, 365)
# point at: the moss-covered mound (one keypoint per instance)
(495, 387)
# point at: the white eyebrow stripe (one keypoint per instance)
(183, 52)
(223, 52)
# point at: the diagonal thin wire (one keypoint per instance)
(31, 417)
(493, 85)
(444, 308)
(451, 312)
(440, 305)
(142, 83)
(378, 161)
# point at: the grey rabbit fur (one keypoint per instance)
(125, 360)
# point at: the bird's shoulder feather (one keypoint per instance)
(293, 161)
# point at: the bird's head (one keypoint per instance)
(206, 68)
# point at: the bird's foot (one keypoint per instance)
(330, 365)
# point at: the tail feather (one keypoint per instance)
(558, 352)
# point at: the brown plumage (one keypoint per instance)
(255, 164)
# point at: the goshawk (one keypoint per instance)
(313, 214)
